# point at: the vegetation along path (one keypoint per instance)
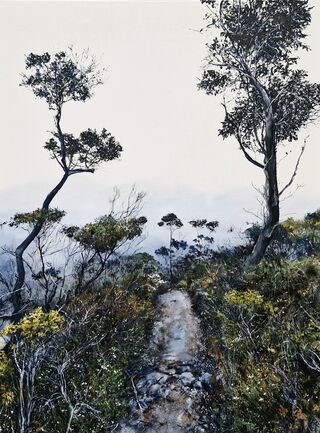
(168, 396)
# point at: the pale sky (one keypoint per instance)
(150, 102)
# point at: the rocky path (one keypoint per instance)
(169, 395)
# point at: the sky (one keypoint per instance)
(154, 54)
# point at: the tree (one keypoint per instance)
(252, 55)
(173, 223)
(46, 272)
(100, 241)
(58, 79)
(202, 247)
(106, 239)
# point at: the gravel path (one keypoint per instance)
(169, 396)
(176, 335)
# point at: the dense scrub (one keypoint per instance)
(262, 328)
(263, 335)
(70, 370)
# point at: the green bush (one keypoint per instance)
(85, 363)
(263, 336)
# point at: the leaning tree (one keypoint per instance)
(59, 79)
(252, 60)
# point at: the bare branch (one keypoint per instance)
(295, 169)
(249, 157)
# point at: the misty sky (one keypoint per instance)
(168, 129)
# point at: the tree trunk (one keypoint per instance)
(16, 296)
(170, 258)
(271, 193)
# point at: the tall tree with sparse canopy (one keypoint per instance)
(58, 79)
(252, 60)
(173, 223)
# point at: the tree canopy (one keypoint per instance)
(254, 56)
(61, 77)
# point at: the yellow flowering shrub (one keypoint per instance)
(249, 300)
(36, 324)
(5, 366)
(300, 227)
(6, 394)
